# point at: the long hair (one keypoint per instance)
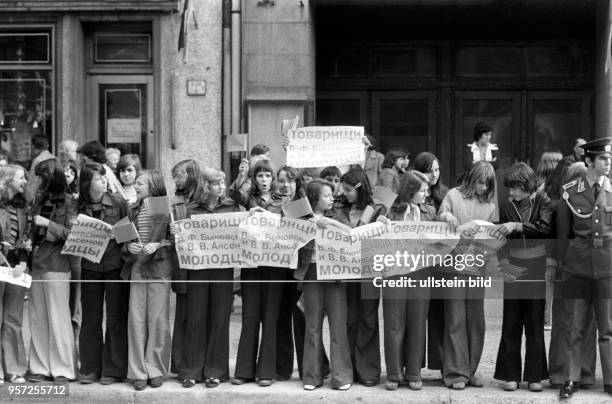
(392, 156)
(313, 190)
(194, 186)
(87, 173)
(72, 165)
(546, 166)
(7, 173)
(294, 175)
(263, 166)
(157, 186)
(555, 181)
(53, 184)
(423, 163)
(410, 184)
(481, 171)
(357, 178)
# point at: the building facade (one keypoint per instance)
(172, 78)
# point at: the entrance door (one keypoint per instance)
(121, 112)
(405, 120)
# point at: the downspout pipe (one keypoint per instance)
(236, 71)
(226, 82)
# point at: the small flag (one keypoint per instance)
(236, 143)
(297, 209)
(158, 205)
(384, 196)
(124, 231)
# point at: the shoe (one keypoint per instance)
(608, 388)
(458, 386)
(140, 385)
(106, 380)
(309, 387)
(238, 381)
(156, 382)
(188, 383)
(344, 388)
(567, 390)
(475, 381)
(17, 379)
(88, 378)
(36, 378)
(212, 382)
(61, 379)
(415, 385)
(265, 383)
(510, 386)
(391, 385)
(369, 383)
(535, 387)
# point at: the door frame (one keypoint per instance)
(93, 116)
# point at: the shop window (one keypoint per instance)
(404, 124)
(556, 61)
(26, 89)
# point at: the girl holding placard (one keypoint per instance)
(104, 359)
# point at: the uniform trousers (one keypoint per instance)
(148, 327)
(13, 349)
(52, 347)
(260, 304)
(405, 317)
(106, 356)
(363, 300)
(206, 339)
(594, 294)
(464, 325)
(321, 298)
(557, 354)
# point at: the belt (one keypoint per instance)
(529, 252)
(595, 242)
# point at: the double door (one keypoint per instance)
(525, 123)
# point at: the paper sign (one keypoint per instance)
(297, 209)
(384, 196)
(124, 231)
(122, 130)
(88, 238)
(6, 275)
(237, 143)
(322, 146)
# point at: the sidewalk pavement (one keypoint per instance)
(292, 392)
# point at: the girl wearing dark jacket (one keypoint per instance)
(405, 309)
(356, 208)
(189, 190)
(52, 347)
(102, 357)
(208, 305)
(526, 219)
(260, 298)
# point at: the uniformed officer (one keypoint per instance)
(584, 223)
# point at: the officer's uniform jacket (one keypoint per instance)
(585, 229)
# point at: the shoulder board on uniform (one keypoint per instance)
(570, 184)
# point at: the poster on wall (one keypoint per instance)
(123, 130)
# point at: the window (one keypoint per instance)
(26, 88)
